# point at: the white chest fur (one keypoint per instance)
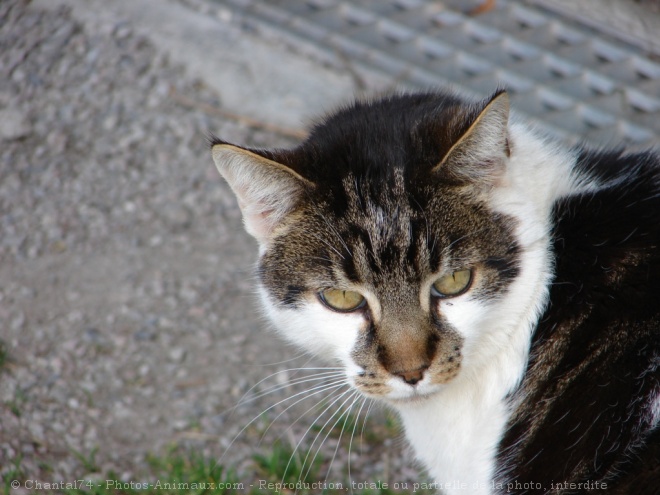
(456, 436)
(456, 432)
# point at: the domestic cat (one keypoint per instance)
(499, 290)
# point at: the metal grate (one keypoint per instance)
(569, 79)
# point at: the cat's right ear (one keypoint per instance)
(480, 154)
(266, 190)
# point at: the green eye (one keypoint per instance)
(342, 300)
(452, 284)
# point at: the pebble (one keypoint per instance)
(93, 335)
(13, 124)
(121, 256)
(17, 322)
(177, 354)
(145, 335)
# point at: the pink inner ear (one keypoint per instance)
(266, 190)
(259, 222)
(265, 217)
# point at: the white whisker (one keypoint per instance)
(350, 443)
(315, 390)
(334, 231)
(364, 423)
(291, 383)
(333, 395)
(241, 401)
(329, 245)
(346, 412)
(323, 428)
(310, 427)
(330, 386)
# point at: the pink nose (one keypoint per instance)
(413, 376)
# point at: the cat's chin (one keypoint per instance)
(412, 399)
(402, 398)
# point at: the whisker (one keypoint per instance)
(341, 433)
(364, 424)
(290, 383)
(350, 443)
(302, 354)
(241, 400)
(323, 428)
(315, 390)
(333, 395)
(310, 427)
(319, 258)
(334, 231)
(474, 232)
(329, 245)
(330, 386)
(426, 224)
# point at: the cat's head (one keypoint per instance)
(378, 247)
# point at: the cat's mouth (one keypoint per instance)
(389, 390)
(398, 387)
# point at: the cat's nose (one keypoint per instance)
(411, 377)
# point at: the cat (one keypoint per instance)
(501, 291)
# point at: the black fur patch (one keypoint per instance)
(293, 295)
(595, 365)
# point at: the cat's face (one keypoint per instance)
(378, 247)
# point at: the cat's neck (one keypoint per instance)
(457, 431)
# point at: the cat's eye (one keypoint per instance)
(342, 300)
(452, 284)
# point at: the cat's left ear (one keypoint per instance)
(479, 155)
(266, 190)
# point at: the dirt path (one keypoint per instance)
(125, 275)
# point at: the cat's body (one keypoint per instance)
(500, 292)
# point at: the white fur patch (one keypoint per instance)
(315, 328)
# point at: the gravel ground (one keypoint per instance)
(125, 275)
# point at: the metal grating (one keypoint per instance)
(570, 80)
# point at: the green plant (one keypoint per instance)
(173, 474)
(13, 473)
(15, 404)
(192, 474)
(287, 465)
(4, 354)
(88, 462)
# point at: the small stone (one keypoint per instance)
(18, 322)
(13, 124)
(58, 247)
(177, 354)
(145, 335)
(180, 424)
(177, 216)
(122, 31)
(156, 241)
(93, 335)
(57, 141)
